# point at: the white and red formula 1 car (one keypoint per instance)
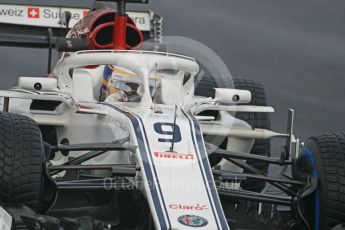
(119, 137)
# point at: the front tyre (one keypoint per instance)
(326, 153)
(21, 161)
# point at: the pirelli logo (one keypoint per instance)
(171, 155)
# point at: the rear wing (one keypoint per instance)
(36, 19)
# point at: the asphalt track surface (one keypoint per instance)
(295, 48)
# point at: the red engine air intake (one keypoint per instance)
(98, 30)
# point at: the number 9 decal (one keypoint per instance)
(166, 130)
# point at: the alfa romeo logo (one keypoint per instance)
(193, 221)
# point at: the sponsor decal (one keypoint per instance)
(33, 12)
(197, 207)
(81, 106)
(47, 16)
(139, 20)
(171, 155)
(12, 12)
(51, 13)
(193, 221)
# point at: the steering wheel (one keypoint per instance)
(95, 32)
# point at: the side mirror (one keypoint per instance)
(232, 96)
(38, 83)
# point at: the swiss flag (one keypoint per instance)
(33, 12)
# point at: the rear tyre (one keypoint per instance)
(205, 82)
(326, 153)
(257, 120)
(21, 161)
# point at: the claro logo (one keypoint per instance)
(197, 207)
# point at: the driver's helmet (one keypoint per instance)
(119, 84)
(123, 85)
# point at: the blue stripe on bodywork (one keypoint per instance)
(208, 172)
(148, 170)
(203, 176)
(155, 172)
